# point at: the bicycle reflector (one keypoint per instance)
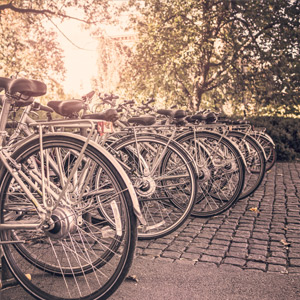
(104, 127)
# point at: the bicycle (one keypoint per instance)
(160, 189)
(55, 240)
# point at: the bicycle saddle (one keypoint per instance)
(146, 120)
(26, 87)
(173, 113)
(110, 115)
(66, 108)
(208, 118)
(23, 87)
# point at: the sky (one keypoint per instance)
(80, 60)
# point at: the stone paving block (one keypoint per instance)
(277, 230)
(214, 246)
(201, 241)
(293, 270)
(294, 239)
(294, 254)
(276, 237)
(164, 259)
(235, 261)
(143, 244)
(205, 235)
(152, 252)
(282, 254)
(217, 242)
(176, 247)
(258, 244)
(295, 262)
(277, 269)
(239, 250)
(257, 257)
(164, 240)
(256, 265)
(202, 245)
(171, 254)
(157, 246)
(247, 227)
(191, 256)
(239, 245)
(222, 236)
(239, 240)
(185, 262)
(228, 226)
(236, 254)
(193, 249)
(292, 234)
(258, 251)
(187, 239)
(243, 234)
(277, 260)
(260, 236)
(211, 259)
(220, 253)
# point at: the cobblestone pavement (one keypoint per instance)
(261, 232)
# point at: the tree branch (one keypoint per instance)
(39, 11)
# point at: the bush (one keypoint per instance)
(286, 135)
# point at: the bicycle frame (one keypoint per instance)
(25, 124)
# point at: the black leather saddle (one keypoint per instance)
(146, 120)
(23, 89)
(67, 108)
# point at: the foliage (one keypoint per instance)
(268, 76)
(193, 51)
(286, 135)
(112, 55)
(28, 45)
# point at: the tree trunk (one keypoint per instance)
(198, 97)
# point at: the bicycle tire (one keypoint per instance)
(221, 171)
(269, 148)
(166, 200)
(255, 160)
(90, 260)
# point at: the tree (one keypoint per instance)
(193, 49)
(28, 45)
(269, 76)
(112, 57)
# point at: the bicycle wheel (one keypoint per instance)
(163, 176)
(83, 256)
(221, 171)
(269, 149)
(255, 160)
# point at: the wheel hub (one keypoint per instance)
(65, 222)
(204, 175)
(145, 186)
